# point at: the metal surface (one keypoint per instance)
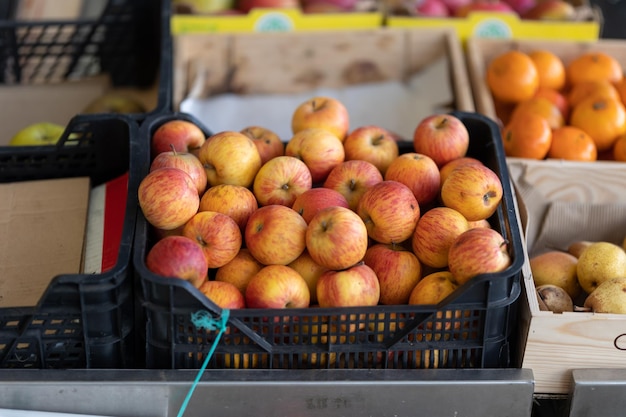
(310, 393)
(598, 393)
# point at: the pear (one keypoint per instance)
(555, 298)
(600, 262)
(576, 248)
(558, 268)
(608, 297)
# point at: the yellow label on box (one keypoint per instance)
(274, 20)
(504, 26)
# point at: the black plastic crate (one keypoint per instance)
(122, 41)
(472, 328)
(81, 320)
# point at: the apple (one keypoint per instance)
(373, 144)
(223, 294)
(521, 7)
(446, 169)
(352, 287)
(433, 288)
(239, 270)
(443, 137)
(319, 149)
(266, 141)
(230, 157)
(217, 234)
(336, 238)
(551, 10)
(473, 190)
(178, 257)
(398, 271)
(352, 178)
(453, 5)
(310, 270)
(275, 234)
(337, 5)
(185, 161)
(114, 102)
(434, 234)
(479, 223)
(435, 8)
(277, 286)
(496, 6)
(233, 200)
(311, 201)
(323, 113)
(168, 198)
(246, 5)
(418, 172)
(390, 211)
(477, 251)
(321, 6)
(38, 134)
(183, 135)
(281, 180)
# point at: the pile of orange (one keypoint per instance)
(549, 108)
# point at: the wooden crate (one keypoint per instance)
(296, 62)
(563, 202)
(480, 51)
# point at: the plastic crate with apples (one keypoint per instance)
(472, 328)
(82, 315)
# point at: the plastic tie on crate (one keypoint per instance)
(202, 319)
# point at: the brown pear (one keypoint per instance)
(600, 262)
(556, 268)
(576, 248)
(608, 297)
(555, 298)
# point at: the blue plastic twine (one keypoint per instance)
(203, 320)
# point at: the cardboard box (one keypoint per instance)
(505, 26)
(274, 20)
(481, 51)
(42, 227)
(294, 65)
(564, 202)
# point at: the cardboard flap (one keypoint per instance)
(42, 227)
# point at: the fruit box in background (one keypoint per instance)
(505, 26)
(481, 51)
(274, 20)
(564, 202)
(78, 320)
(383, 337)
(424, 66)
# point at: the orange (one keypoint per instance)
(585, 89)
(601, 118)
(550, 69)
(590, 66)
(619, 149)
(512, 77)
(620, 86)
(542, 107)
(527, 135)
(573, 144)
(557, 98)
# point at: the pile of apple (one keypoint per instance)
(239, 7)
(329, 218)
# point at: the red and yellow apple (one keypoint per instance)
(398, 271)
(319, 149)
(277, 286)
(310, 271)
(280, 180)
(311, 201)
(443, 137)
(322, 112)
(434, 234)
(233, 200)
(217, 234)
(275, 234)
(418, 172)
(336, 238)
(267, 142)
(184, 161)
(230, 157)
(178, 257)
(373, 144)
(390, 212)
(351, 287)
(239, 270)
(223, 294)
(183, 135)
(168, 198)
(352, 178)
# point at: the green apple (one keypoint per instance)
(38, 134)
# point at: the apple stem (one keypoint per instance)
(352, 184)
(504, 242)
(173, 149)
